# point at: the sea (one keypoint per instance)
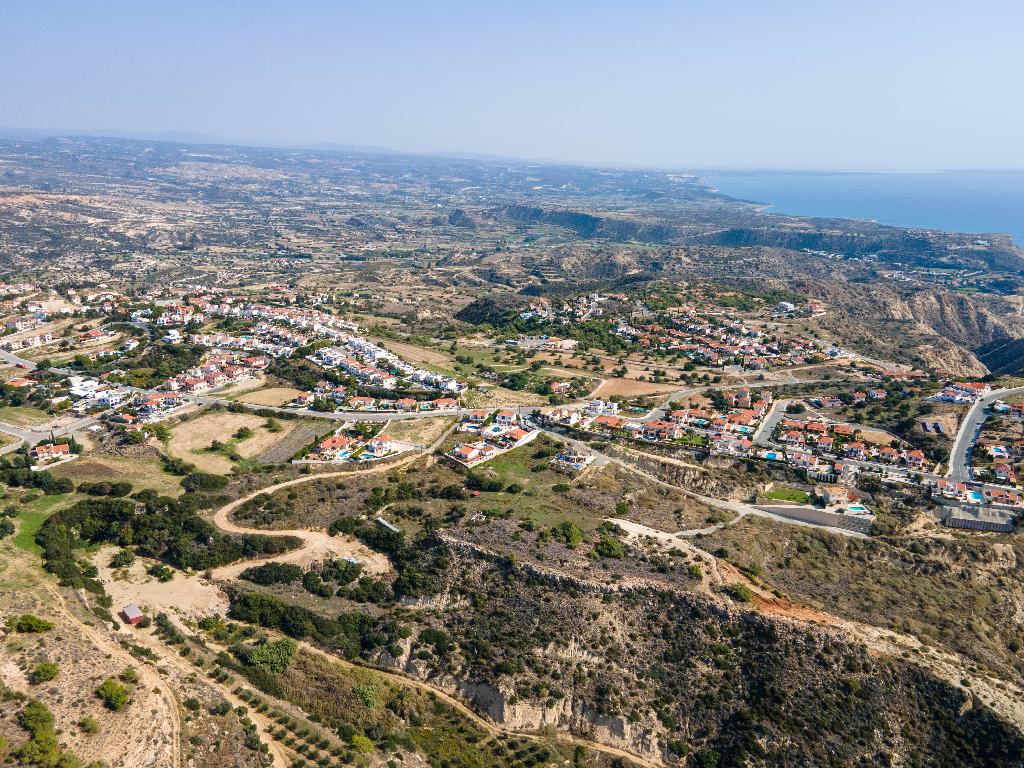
(954, 201)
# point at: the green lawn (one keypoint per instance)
(783, 493)
(31, 516)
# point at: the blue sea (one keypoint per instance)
(955, 201)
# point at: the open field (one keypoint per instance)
(186, 595)
(272, 396)
(496, 396)
(420, 431)
(418, 355)
(141, 473)
(631, 388)
(24, 416)
(191, 439)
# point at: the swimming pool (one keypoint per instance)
(857, 508)
(976, 496)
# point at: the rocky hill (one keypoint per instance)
(532, 649)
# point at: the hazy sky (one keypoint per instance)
(766, 83)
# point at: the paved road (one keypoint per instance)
(960, 457)
(13, 359)
(763, 435)
(740, 508)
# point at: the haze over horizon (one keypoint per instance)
(792, 85)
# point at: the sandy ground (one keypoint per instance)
(145, 733)
(188, 596)
(190, 438)
(273, 396)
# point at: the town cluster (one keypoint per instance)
(715, 339)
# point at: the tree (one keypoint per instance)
(568, 533)
(113, 695)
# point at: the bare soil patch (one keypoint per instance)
(272, 396)
(630, 388)
(185, 595)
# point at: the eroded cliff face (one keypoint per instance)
(937, 329)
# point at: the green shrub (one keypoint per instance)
(43, 672)
(362, 744)
(122, 559)
(27, 623)
(739, 592)
(609, 546)
(113, 695)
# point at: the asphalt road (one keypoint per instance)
(763, 435)
(960, 457)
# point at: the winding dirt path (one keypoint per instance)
(316, 543)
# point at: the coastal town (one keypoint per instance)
(79, 344)
(331, 458)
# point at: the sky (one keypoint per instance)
(685, 84)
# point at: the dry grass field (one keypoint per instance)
(272, 396)
(422, 431)
(191, 439)
(24, 416)
(141, 473)
(631, 388)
